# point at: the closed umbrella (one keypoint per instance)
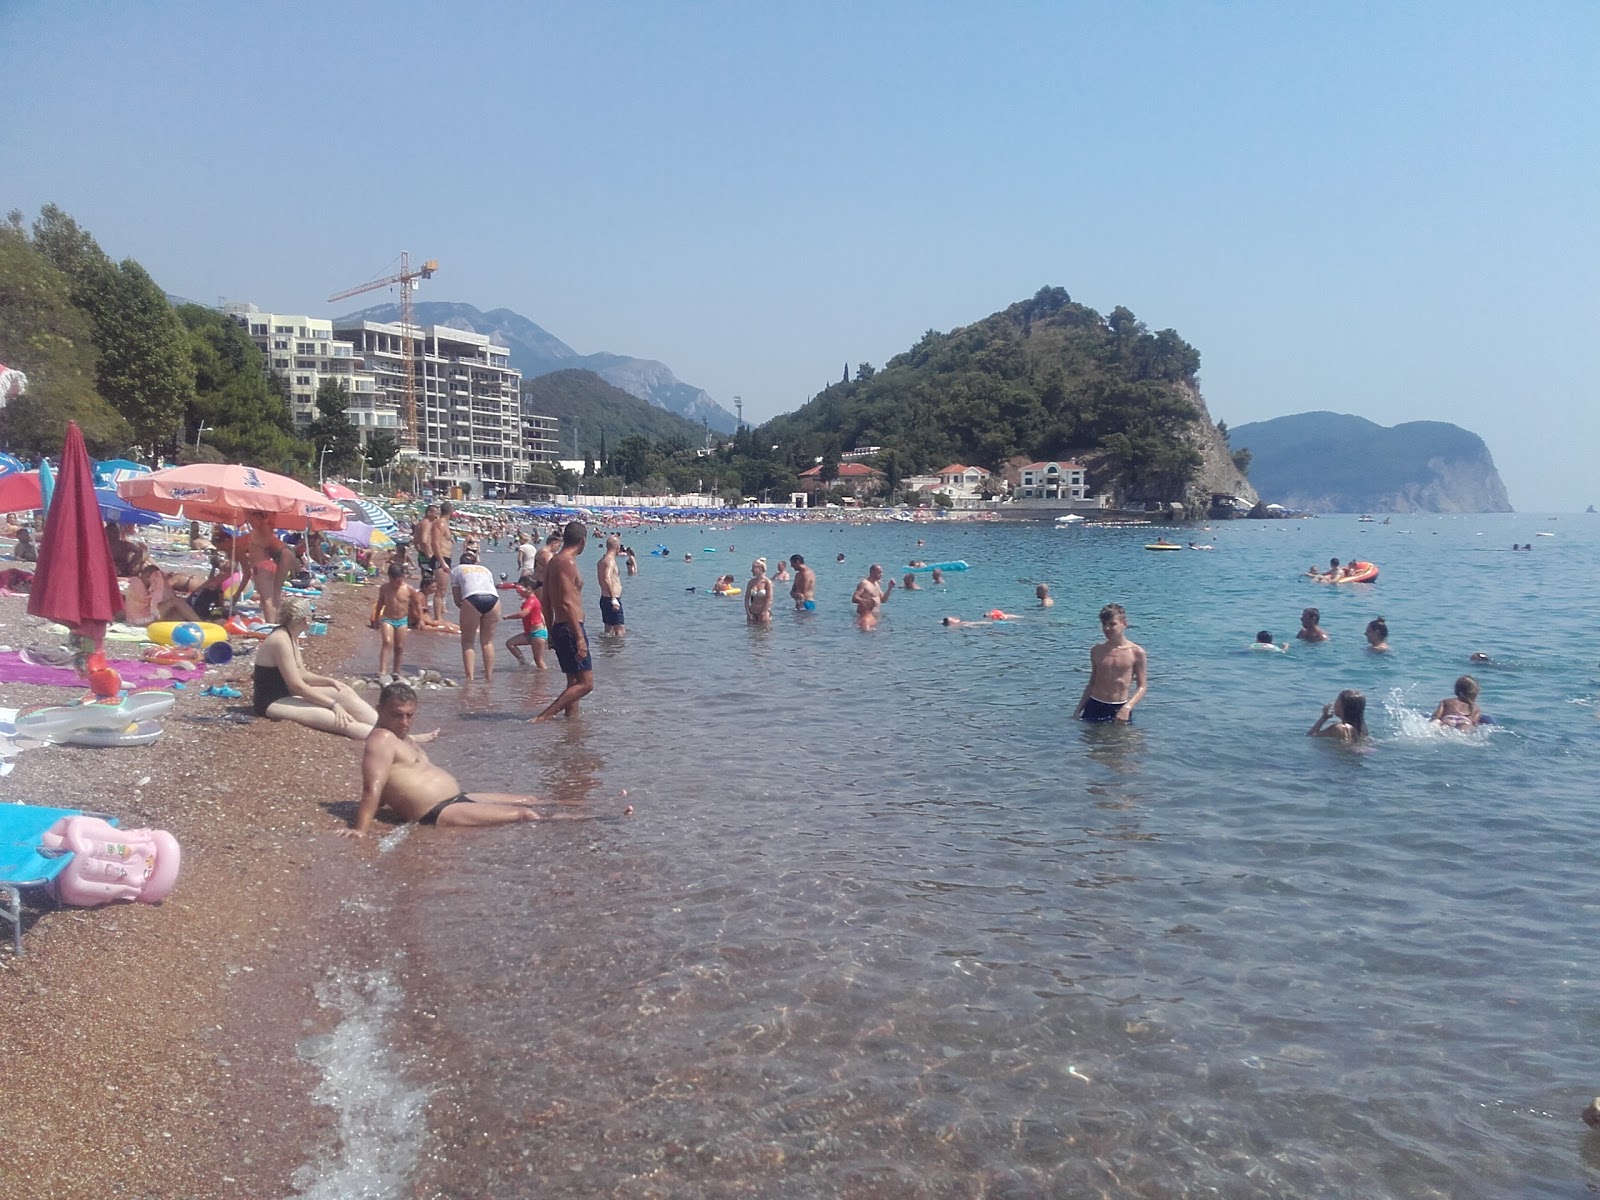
(75, 581)
(228, 492)
(47, 482)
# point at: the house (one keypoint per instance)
(858, 479)
(959, 480)
(1050, 481)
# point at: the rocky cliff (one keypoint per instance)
(1330, 462)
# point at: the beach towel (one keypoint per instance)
(14, 669)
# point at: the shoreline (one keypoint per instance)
(158, 1043)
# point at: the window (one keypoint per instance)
(283, 329)
(303, 380)
(258, 331)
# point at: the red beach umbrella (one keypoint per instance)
(20, 492)
(75, 581)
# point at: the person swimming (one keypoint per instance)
(1349, 714)
(1378, 635)
(1460, 711)
(1264, 642)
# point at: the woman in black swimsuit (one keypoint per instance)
(477, 595)
(286, 691)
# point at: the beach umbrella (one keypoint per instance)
(114, 508)
(47, 482)
(10, 465)
(359, 507)
(113, 470)
(358, 533)
(75, 581)
(229, 492)
(19, 492)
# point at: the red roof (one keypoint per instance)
(847, 470)
(1040, 466)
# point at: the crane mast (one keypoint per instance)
(407, 279)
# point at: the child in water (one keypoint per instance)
(1378, 635)
(1349, 715)
(1264, 642)
(1461, 710)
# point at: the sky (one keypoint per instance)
(1381, 209)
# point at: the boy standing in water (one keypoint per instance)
(1113, 665)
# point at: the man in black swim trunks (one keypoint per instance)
(563, 609)
(396, 774)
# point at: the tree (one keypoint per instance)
(48, 338)
(1241, 460)
(830, 466)
(236, 407)
(145, 370)
(335, 441)
(633, 459)
(381, 450)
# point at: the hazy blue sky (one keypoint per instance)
(1381, 209)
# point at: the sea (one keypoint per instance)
(887, 922)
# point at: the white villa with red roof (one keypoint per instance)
(1052, 485)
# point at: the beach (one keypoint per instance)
(150, 1050)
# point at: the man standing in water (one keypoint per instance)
(563, 604)
(1113, 664)
(804, 591)
(610, 588)
(396, 774)
(869, 597)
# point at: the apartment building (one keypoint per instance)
(470, 427)
(304, 352)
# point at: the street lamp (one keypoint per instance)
(322, 460)
(199, 430)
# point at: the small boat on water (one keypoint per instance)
(1069, 519)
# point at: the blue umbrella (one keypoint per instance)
(47, 482)
(10, 466)
(114, 508)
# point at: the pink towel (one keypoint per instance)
(133, 672)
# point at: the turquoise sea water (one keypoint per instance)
(888, 923)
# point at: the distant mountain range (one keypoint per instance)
(593, 412)
(1331, 462)
(535, 352)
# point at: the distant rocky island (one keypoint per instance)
(1332, 462)
(535, 352)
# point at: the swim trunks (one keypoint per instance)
(1099, 710)
(397, 622)
(431, 817)
(610, 611)
(541, 633)
(564, 641)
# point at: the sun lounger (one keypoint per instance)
(23, 864)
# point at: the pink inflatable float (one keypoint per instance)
(110, 864)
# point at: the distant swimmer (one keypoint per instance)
(1114, 665)
(910, 584)
(1461, 710)
(1378, 636)
(938, 575)
(870, 596)
(1310, 626)
(1264, 642)
(633, 561)
(1478, 656)
(804, 591)
(1333, 570)
(1348, 712)
(1042, 594)
(396, 774)
(994, 614)
(783, 572)
(840, 558)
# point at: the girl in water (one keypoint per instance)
(1460, 711)
(1349, 715)
(758, 595)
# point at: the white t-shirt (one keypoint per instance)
(473, 579)
(527, 554)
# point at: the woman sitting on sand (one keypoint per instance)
(1349, 715)
(286, 691)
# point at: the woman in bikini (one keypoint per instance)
(477, 595)
(758, 595)
(1348, 712)
(1460, 711)
(286, 691)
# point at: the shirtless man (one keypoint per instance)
(440, 549)
(392, 618)
(541, 560)
(396, 774)
(804, 591)
(563, 606)
(1042, 592)
(869, 597)
(610, 580)
(1113, 665)
(126, 555)
(1310, 626)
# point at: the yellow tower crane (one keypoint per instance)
(408, 280)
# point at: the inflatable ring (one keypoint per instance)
(1365, 572)
(196, 633)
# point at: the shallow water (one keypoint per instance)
(887, 923)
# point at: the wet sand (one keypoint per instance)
(150, 1050)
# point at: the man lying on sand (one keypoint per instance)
(396, 774)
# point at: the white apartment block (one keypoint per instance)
(304, 352)
(470, 427)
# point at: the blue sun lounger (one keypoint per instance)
(24, 863)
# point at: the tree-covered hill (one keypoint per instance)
(1333, 462)
(600, 413)
(1044, 379)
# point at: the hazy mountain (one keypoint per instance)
(1330, 462)
(591, 409)
(535, 352)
